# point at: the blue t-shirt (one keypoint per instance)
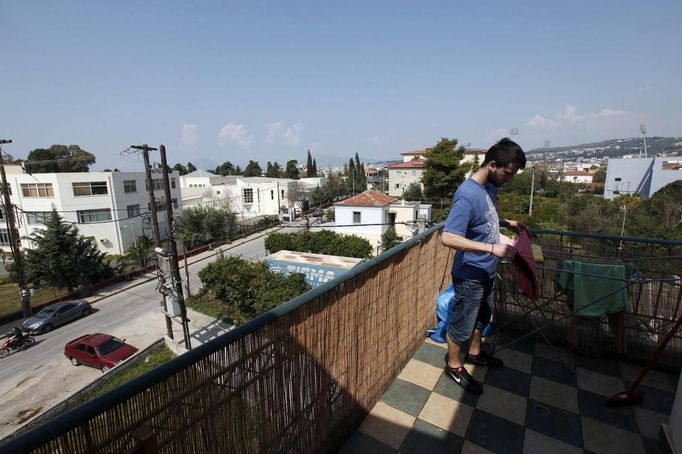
(474, 216)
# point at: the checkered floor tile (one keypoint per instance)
(534, 404)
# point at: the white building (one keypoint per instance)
(577, 176)
(402, 174)
(202, 179)
(110, 208)
(248, 197)
(365, 215)
(640, 176)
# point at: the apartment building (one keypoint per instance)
(402, 174)
(110, 208)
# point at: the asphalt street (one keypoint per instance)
(33, 380)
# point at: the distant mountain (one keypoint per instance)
(613, 148)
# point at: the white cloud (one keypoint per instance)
(570, 114)
(538, 121)
(189, 134)
(279, 134)
(235, 133)
(606, 112)
(497, 134)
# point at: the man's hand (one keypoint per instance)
(503, 251)
(517, 226)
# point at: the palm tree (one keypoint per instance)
(140, 254)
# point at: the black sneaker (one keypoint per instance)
(463, 379)
(484, 359)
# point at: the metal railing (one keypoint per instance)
(302, 377)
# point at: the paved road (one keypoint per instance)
(36, 379)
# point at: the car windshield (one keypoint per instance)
(109, 346)
(45, 313)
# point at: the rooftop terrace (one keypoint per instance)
(305, 376)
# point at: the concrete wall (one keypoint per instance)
(368, 215)
(399, 179)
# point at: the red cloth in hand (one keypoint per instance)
(524, 263)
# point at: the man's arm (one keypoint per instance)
(460, 243)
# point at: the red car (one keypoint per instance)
(98, 350)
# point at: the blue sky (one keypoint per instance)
(233, 81)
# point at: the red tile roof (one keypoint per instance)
(413, 164)
(368, 198)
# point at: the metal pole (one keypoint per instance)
(174, 248)
(155, 220)
(532, 188)
(622, 227)
(132, 225)
(14, 241)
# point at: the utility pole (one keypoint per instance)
(14, 241)
(532, 188)
(173, 246)
(547, 144)
(155, 220)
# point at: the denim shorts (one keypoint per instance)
(473, 309)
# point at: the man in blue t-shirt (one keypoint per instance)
(473, 230)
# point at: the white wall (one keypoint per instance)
(368, 215)
(114, 235)
(399, 179)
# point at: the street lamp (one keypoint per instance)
(624, 210)
(532, 188)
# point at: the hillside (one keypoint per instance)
(611, 148)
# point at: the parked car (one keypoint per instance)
(56, 315)
(98, 350)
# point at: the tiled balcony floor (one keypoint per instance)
(532, 405)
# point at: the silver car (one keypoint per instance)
(56, 315)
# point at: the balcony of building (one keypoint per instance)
(346, 367)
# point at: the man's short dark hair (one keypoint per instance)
(505, 152)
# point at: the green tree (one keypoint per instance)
(389, 239)
(59, 159)
(273, 170)
(253, 169)
(314, 167)
(190, 167)
(413, 191)
(309, 166)
(140, 253)
(292, 170)
(599, 176)
(182, 170)
(320, 242)
(202, 225)
(62, 258)
(442, 171)
(248, 289)
(224, 169)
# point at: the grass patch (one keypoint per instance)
(153, 359)
(206, 304)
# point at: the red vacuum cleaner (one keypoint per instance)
(633, 393)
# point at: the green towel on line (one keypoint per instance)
(587, 289)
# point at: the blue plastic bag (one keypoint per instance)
(445, 304)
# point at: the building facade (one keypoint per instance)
(640, 176)
(110, 208)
